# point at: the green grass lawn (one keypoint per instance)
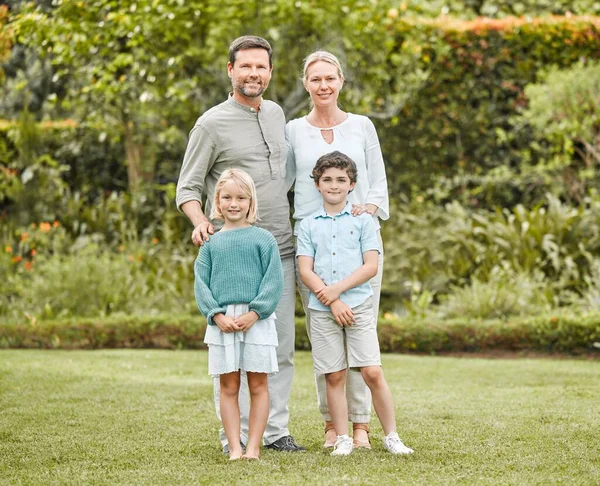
(146, 417)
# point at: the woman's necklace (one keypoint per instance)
(327, 135)
(326, 129)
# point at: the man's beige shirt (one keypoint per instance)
(231, 135)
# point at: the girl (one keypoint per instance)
(239, 281)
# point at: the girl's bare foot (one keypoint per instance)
(235, 455)
(250, 457)
(251, 453)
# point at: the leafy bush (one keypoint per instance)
(502, 295)
(432, 251)
(566, 108)
(550, 333)
(590, 297)
(88, 281)
(460, 126)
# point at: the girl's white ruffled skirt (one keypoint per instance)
(254, 350)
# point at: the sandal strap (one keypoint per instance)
(329, 426)
(364, 427)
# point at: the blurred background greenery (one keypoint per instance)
(488, 114)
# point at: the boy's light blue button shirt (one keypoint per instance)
(337, 243)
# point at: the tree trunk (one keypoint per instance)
(133, 157)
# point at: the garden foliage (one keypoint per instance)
(489, 129)
(460, 136)
(549, 333)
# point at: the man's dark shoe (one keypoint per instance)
(286, 444)
(226, 448)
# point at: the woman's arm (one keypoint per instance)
(290, 166)
(377, 198)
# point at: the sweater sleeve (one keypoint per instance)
(271, 286)
(378, 190)
(205, 300)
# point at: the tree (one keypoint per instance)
(5, 39)
(141, 67)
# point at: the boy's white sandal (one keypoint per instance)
(393, 444)
(343, 446)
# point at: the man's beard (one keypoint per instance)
(252, 93)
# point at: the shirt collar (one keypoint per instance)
(246, 108)
(323, 214)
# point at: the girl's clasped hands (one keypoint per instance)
(233, 324)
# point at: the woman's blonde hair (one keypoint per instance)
(245, 183)
(321, 56)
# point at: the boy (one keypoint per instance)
(337, 255)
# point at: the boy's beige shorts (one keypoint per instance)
(335, 348)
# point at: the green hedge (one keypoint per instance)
(461, 122)
(547, 334)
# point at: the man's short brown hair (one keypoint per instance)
(249, 42)
(336, 160)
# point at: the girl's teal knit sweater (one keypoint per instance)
(239, 266)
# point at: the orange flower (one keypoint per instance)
(17, 259)
(28, 266)
(155, 241)
(45, 227)
(131, 258)
(24, 236)
(8, 249)
(33, 252)
(56, 224)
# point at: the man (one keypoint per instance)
(248, 133)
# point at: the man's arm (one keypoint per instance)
(200, 156)
(202, 226)
(367, 271)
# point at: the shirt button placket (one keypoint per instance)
(334, 276)
(260, 114)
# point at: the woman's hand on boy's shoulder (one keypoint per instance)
(358, 209)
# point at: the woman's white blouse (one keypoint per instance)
(355, 137)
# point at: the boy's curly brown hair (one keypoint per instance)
(337, 160)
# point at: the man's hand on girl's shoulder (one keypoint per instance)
(202, 233)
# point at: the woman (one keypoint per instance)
(325, 129)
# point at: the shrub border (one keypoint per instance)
(571, 334)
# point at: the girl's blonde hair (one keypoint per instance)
(245, 183)
(321, 56)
